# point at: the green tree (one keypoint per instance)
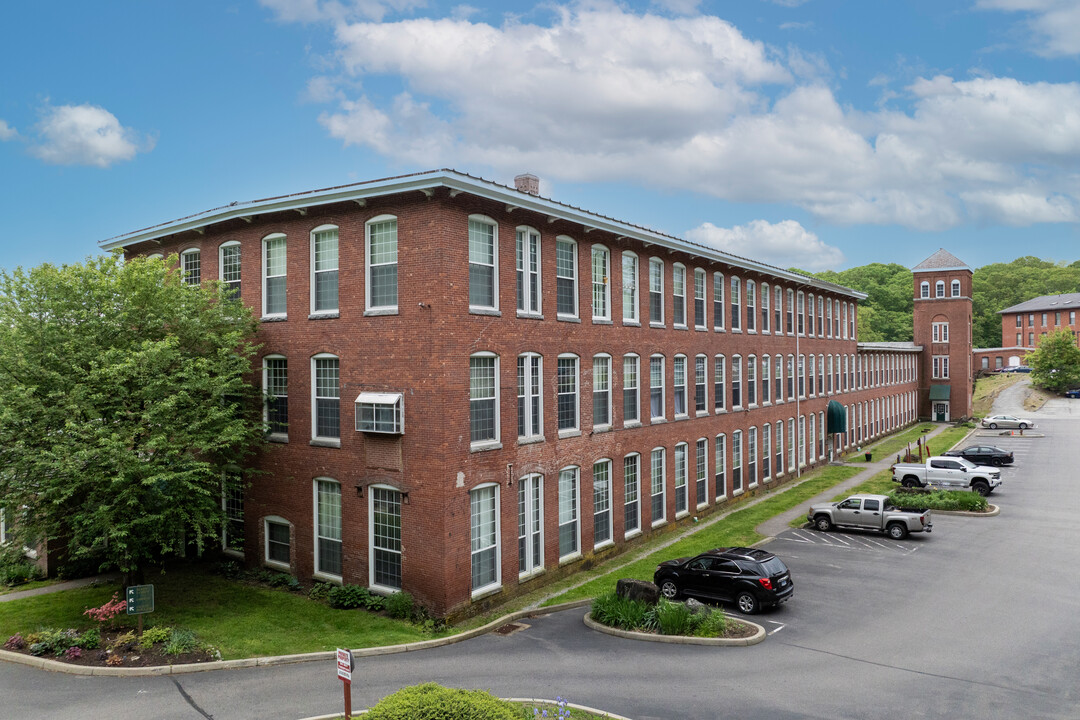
(885, 315)
(1001, 285)
(1055, 363)
(125, 399)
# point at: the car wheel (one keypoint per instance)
(823, 523)
(896, 531)
(996, 462)
(910, 482)
(981, 488)
(1023, 426)
(669, 589)
(748, 603)
(993, 426)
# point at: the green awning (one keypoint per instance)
(837, 418)
(939, 392)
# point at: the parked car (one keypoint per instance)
(870, 512)
(1006, 421)
(948, 473)
(1022, 369)
(983, 455)
(749, 577)
(1074, 393)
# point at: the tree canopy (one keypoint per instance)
(884, 316)
(1055, 363)
(125, 399)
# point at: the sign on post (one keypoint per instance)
(140, 600)
(344, 671)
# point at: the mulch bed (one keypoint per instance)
(131, 654)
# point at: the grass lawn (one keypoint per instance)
(32, 585)
(240, 620)
(734, 530)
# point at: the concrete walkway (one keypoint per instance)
(57, 587)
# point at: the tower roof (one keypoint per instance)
(941, 260)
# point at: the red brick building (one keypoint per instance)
(473, 390)
(942, 326)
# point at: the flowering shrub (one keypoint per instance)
(108, 611)
(561, 711)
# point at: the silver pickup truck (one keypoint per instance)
(948, 473)
(870, 512)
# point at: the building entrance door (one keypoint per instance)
(941, 411)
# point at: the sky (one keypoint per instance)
(818, 134)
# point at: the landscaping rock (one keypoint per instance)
(638, 590)
(697, 608)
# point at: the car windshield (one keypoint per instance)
(774, 566)
(965, 462)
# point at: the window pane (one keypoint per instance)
(481, 264)
(386, 536)
(329, 527)
(482, 404)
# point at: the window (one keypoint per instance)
(569, 533)
(718, 301)
(790, 377)
(530, 524)
(751, 457)
(736, 382)
(851, 321)
(821, 429)
(939, 289)
(273, 276)
(656, 291)
(484, 538)
(567, 380)
(778, 309)
(483, 399)
(766, 379)
(940, 332)
(719, 391)
(601, 481)
(382, 260)
(766, 452)
(810, 376)
(327, 400)
(791, 443)
(1019, 320)
(601, 288)
(1031, 319)
(828, 318)
(328, 527)
(527, 254)
(810, 315)
(844, 322)
(1057, 318)
(941, 367)
(779, 374)
(736, 462)
(924, 289)
(802, 376)
(483, 271)
(631, 398)
(821, 375)
(700, 472)
(680, 385)
(632, 494)
(789, 320)
(385, 524)
(699, 299)
(324, 269)
(191, 265)
(1044, 319)
(720, 466)
(530, 406)
(656, 387)
(278, 541)
(566, 277)
(630, 288)
(699, 385)
(276, 390)
(802, 440)
(229, 268)
(821, 316)
(801, 328)
(657, 482)
(751, 380)
(778, 448)
(601, 391)
(232, 504)
(680, 480)
(751, 306)
(765, 312)
(678, 289)
(735, 302)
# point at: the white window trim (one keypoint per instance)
(699, 273)
(627, 534)
(496, 585)
(606, 317)
(705, 382)
(752, 456)
(221, 258)
(696, 443)
(685, 386)
(264, 276)
(636, 304)
(718, 322)
(539, 434)
(570, 556)
(720, 443)
(375, 587)
(654, 522)
(311, 270)
(333, 441)
(766, 309)
(315, 530)
(368, 307)
(749, 305)
(686, 478)
(653, 322)
(735, 308)
(494, 261)
(496, 442)
(663, 388)
(610, 504)
(265, 383)
(266, 540)
(538, 310)
(538, 479)
(610, 393)
(676, 299)
(576, 430)
(576, 277)
(187, 253)
(636, 421)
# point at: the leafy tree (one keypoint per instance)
(1001, 285)
(885, 315)
(125, 397)
(1055, 364)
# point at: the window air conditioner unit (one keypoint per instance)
(380, 413)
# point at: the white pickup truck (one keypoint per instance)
(948, 473)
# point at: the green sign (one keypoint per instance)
(140, 599)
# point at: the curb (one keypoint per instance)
(679, 639)
(62, 667)
(993, 511)
(537, 701)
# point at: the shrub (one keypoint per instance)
(920, 499)
(673, 618)
(108, 611)
(125, 641)
(89, 640)
(114, 660)
(435, 702)
(154, 635)
(347, 597)
(181, 641)
(73, 653)
(280, 580)
(320, 591)
(400, 605)
(619, 612)
(713, 625)
(229, 569)
(18, 571)
(15, 642)
(39, 648)
(56, 641)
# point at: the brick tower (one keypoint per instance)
(942, 326)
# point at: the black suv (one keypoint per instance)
(749, 577)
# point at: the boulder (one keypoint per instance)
(697, 608)
(638, 590)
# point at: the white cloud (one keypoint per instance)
(7, 132)
(602, 93)
(86, 135)
(784, 244)
(1055, 24)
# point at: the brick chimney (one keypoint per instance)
(527, 183)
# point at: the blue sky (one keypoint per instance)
(820, 134)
